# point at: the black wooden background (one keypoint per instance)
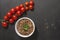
(46, 16)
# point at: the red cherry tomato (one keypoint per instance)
(18, 13)
(6, 18)
(27, 8)
(17, 8)
(12, 10)
(9, 14)
(4, 24)
(27, 3)
(14, 17)
(31, 2)
(30, 7)
(22, 9)
(11, 21)
(21, 5)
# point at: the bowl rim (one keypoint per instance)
(24, 36)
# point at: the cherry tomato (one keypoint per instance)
(27, 3)
(4, 24)
(30, 7)
(27, 8)
(31, 2)
(11, 21)
(22, 9)
(9, 14)
(6, 18)
(12, 10)
(14, 17)
(17, 8)
(21, 5)
(18, 13)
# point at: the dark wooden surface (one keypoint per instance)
(46, 16)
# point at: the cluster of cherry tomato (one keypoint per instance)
(14, 13)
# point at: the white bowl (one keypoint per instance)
(24, 36)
